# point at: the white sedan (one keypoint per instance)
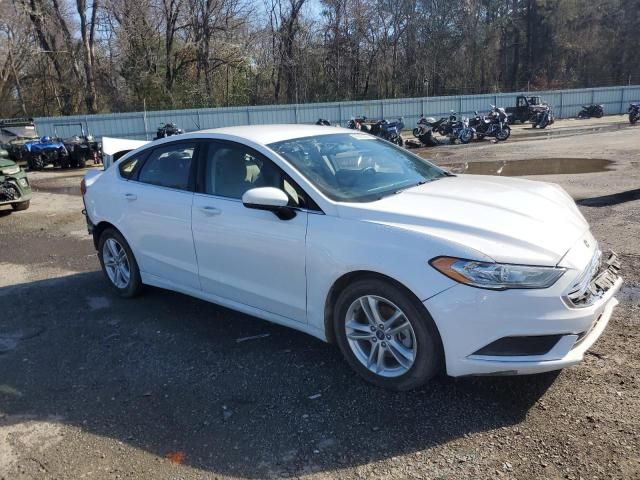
(409, 269)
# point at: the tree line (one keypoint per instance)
(61, 57)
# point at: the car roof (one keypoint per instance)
(266, 134)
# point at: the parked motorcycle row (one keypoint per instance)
(457, 129)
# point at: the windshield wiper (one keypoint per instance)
(421, 182)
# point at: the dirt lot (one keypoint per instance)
(93, 386)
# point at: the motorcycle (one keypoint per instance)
(634, 112)
(455, 129)
(593, 110)
(424, 130)
(323, 122)
(389, 131)
(542, 117)
(492, 125)
(167, 130)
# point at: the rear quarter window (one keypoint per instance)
(128, 167)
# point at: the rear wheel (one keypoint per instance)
(386, 335)
(633, 118)
(118, 263)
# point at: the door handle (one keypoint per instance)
(130, 196)
(210, 211)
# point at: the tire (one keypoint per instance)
(599, 114)
(416, 132)
(399, 141)
(582, 115)
(502, 135)
(20, 206)
(35, 162)
(81, 160)
(633, 118)
(111, 243)
(65, 162)
(8, 193)
(466, 135)
(420, 340)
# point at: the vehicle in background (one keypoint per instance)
(634, 113)
(543, 118)
(592, 110)
(14, 133)
(167, 130)
(324, 122)
(455, 129)
(390, 131)
(494, 124)
(526, 109)
(424, 130)
(14, 185)
(81, 146)
(114, 148)
(46, 151)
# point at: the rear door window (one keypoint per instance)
(169, 166)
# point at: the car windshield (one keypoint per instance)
(356, 167)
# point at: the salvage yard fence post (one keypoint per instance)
(142, 125)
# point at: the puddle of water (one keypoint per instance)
(532, 166)
(75, 190)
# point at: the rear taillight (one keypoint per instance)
(83, 187)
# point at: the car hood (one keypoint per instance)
(510, 220)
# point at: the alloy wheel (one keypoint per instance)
(380, 336)
(116, 263)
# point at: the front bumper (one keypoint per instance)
(470, 318)
(19, 184)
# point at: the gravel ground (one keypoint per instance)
(93, 386)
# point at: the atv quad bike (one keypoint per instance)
(14, 185)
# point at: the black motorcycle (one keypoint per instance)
(542, 117)
(167, 130)
(390, 131)
(455, 129)
(424, 130)
(634, 112)
(494, 124)
(323, 122)
(593, 110)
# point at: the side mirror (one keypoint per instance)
(271, 199)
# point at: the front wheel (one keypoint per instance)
(466, 135)
(35, 162)
(386, 335)
(503, 134)
(118, 264)
(633, 118)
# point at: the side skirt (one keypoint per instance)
(156, 281)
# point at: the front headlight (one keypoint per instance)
(496, 276)
(11, 170)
